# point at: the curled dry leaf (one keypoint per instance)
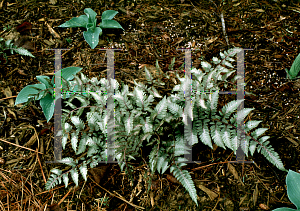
(263, 207)
(21, 72)
(99, 172)
(172, 179)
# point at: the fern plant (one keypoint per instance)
(139, 122)
(8, 45)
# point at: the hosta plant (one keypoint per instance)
(44, 91)
(143, 117)
(89, 22)
(8, 45)
(293, 190)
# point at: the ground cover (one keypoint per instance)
(154, 30)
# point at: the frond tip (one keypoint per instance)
(184, 177)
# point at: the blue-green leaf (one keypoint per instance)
(293, 187)
(43, 79)
(110, 24)
(67, 73)
(80, 21)
(292, 74)
(23, 96)
(91, 14)
(47, 104)
(109, 14)
(92, 36)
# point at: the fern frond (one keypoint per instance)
(22, 51)
(184, 177)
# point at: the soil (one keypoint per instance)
(153, 30)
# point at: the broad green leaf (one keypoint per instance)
(23, 96)
(292, 74)
(68, 73)
(47, 104)
(80, 21)
(91, 14)
(43, 79)
(293, 187)
(109, 14)
(92, 36)
(110, 24)
(284, 209)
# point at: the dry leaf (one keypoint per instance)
(212, 195)
(263, 207)
(233, 171)
(172, 179)
(7, 92)
(99, 172)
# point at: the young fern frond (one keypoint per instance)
(184, 177)
(8, 45)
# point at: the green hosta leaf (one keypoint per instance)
(110, 24)
(293, 187)
(92, 36)
(45, 80)
(293, 190)
(80, 21)
(47, 104)
(23, 96)
(293, 72)
(284, 209)
(109, 14)
(91, 14)
(67, 73)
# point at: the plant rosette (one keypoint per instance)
(89, 21)
(293, 190)
(45, 90)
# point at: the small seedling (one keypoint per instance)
(89, 21)
(7, 45)
(69, 40)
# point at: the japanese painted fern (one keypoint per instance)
(138, 121)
